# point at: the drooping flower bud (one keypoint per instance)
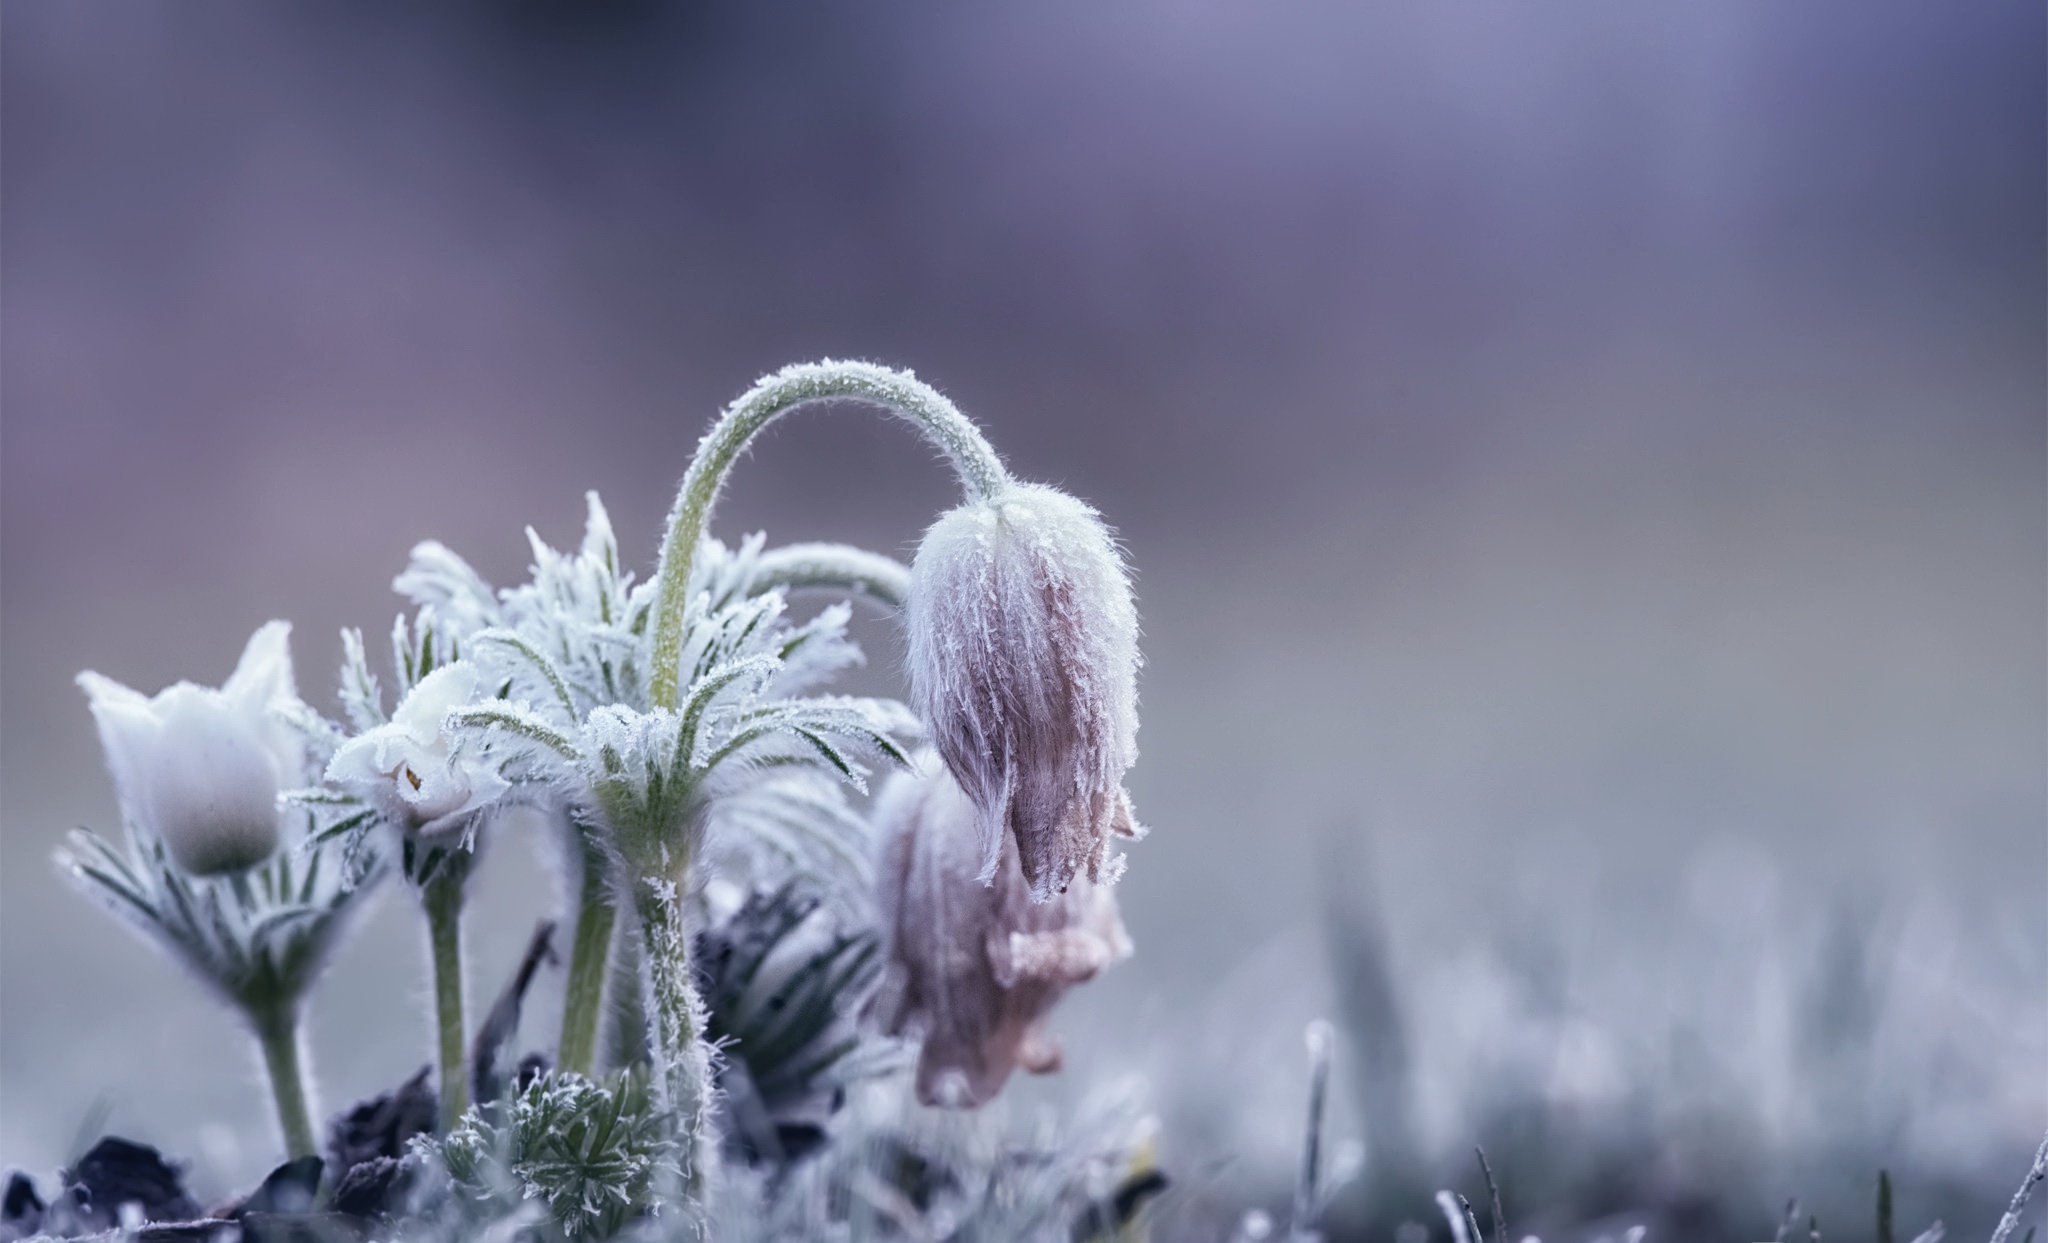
(414, 769)
(199, 768)
(975, 969)
(1023, 664)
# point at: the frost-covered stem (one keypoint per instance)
(277, 1031)
(442, 897)
(2038, 1171)
(973, 460)
(683, 1071)
(589, 960)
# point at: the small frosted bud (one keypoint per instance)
(1024, 665)
(199, 768)
(413, 769)
(975, 969)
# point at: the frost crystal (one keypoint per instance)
(1023, 664)
(977, 968)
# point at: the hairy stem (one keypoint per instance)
(973, 460)
(277, 1031)
(683, 1068)
(442, 897)
(583, 1002)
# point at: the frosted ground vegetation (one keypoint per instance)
(809, 937)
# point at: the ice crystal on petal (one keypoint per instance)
(976, 968)
(1023, 664)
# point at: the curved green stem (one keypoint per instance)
(973, 460)
(442, 898)
(583, 1002)
(277, 1031)
(683, 1070)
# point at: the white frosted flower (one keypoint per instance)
(199, 768)
(975, 968)
(413, 768)
(1024, 664)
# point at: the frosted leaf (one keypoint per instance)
(795, 567)
(362, 700)
(792, 822)
(437, 579)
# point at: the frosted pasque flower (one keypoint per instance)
(976, 968)
(200, 769)
(1024, 664)
(413, 769)
(214, 871)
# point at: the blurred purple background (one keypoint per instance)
(1584, 464)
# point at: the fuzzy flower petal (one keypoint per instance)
(1023, 664)
(201, 768)
(976, 968)
(413, 768)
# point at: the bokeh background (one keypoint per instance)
(1584, 464)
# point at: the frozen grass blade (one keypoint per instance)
(2011, 1221)
(1500, 1219)
(1449, 1204)
(1308, 1190)
(1786, 1223)
(1471, 1221)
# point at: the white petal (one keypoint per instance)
(436, 695)
(261, 680)
(369, 758)
(211, 784)
(128, 729)
(265, 671)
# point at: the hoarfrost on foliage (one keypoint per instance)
(679, 737)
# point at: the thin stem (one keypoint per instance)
(1500, 1217)
(277, 1031)
(973, 460)
(442, 898)
(1308, 1189)
(683, 1071)
(583, 1002)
